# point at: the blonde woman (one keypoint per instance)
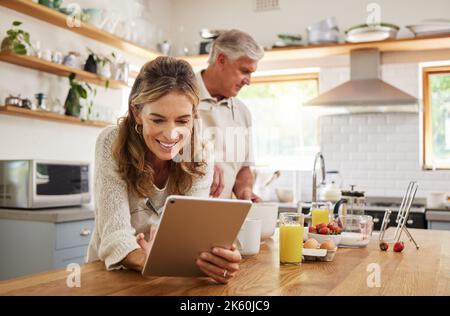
(136, 170)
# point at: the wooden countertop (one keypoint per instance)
(56, 215)
(412, 272)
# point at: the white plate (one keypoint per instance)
(354, 240)
(429, 29)
(370, 34)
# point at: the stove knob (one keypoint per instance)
(409, 222)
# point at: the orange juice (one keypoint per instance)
(320, 216)
(291, 243)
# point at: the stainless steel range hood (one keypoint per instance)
(366, 92)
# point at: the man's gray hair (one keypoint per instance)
(235, 44)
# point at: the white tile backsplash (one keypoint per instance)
(383, 154)
(379, 152)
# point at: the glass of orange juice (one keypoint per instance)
(291, 238)
(320, 213)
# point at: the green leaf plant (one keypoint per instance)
(17, 40)
(77, 92)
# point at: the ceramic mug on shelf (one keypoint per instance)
(47, 55)
(57, 57)
(70, 60)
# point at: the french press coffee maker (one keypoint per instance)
(352, 202)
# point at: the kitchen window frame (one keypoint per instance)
(276, 78)
(427, 132)
(286, 78)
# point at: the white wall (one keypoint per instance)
(24, 138)
(181, 20)
(293, 17)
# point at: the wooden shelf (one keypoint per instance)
(310, 52)
(49, 116)
(58, 69)
(59, 19)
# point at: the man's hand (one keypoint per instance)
(243, 186)
(247, 194)
(218, 182)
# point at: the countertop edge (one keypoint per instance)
(57, 215)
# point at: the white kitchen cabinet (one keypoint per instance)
(31, 246)
(438, 219)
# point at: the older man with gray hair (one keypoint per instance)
(233, 58)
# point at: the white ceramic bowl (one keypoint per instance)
(321, 238)
(268, 213)
(285, 195)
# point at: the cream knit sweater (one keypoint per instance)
(119, 213)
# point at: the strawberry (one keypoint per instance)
(399, 246)
(384, 246)
(320, 226)
(312, 229)
(324, 231)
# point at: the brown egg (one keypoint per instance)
(328, 244)
(311, 243)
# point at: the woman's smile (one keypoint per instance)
(167, 146)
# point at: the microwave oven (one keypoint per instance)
(35, 184)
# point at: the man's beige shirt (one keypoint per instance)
(227, 123)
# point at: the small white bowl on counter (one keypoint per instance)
(321, 238)
(268, 214)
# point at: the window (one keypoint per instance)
(436, 117)
(284, 132)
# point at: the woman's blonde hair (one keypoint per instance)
(156, 79)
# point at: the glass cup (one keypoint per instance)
(321, 212)
(291, 238)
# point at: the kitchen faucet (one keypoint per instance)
(319, 157)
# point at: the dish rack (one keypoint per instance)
(402, 216)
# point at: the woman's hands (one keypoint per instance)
(146, 246)
(135, 260)
(220, 264)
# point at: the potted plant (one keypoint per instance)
(119, 68)
(87, 110)
(103, 64)
(17, 41)
(77, 92)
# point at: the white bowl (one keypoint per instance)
(285, 195)
(321, 238)
(268, 213)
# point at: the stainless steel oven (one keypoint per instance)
(34, 184)
(376, 207)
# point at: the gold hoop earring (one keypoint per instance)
(137, 129)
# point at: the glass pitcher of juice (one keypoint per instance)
(321, 213)
(291, 238)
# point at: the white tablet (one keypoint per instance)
(189, 226)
